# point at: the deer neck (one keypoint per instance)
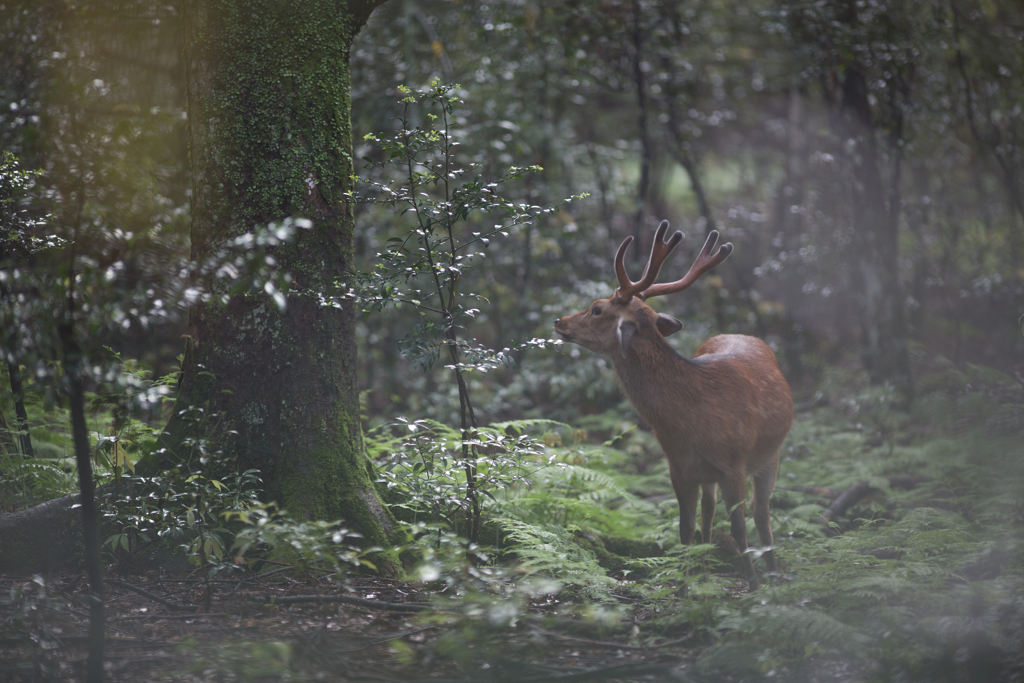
(657, 380)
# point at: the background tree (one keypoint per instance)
(845, 148)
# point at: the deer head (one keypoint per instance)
(608, 326)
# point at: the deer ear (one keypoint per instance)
(625, 332)
(668, 325)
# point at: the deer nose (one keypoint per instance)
(558, 320)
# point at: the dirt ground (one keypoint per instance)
(381, 632)
(160, 628)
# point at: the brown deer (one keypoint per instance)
(720, 417)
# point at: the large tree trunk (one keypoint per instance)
(268, 90)
(269, 116)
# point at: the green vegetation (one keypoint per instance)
(919, 581)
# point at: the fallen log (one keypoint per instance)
(904, 482)
(42, 538)
(850, 497)
(858, 492)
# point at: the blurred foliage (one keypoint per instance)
(712, 114)
(729, 115)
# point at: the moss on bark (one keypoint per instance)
(270, 132)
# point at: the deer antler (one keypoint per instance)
(705, 262)
(660, 249)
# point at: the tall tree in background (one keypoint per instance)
(270, 137)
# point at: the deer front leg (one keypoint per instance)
(686, 494)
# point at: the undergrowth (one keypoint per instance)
(918, 581)
(580, 530)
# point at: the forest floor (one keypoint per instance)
(899, 535)
(381, 631)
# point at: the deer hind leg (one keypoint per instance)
(734, 493)
(764, 483)
(708, 500)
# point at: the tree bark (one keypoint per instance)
(879, 295)
(791, 226)
(87, 498)
(18, 390)
(269, 115)
(6, 438)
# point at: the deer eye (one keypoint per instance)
(596, 310)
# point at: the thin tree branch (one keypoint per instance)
(152, 596)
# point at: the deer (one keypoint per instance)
(720, 417)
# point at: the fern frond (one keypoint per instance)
(878, 589)
(583, 475)
(789, 625)
(521, 426)
(550, 551)
(42, 477)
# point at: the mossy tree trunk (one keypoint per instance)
(269, 116)
(269, 113)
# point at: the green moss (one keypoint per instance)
(278, 109)
(945, 380)
(607, 551)
(271, 138)
(985, 376)
(338, 486)
(631, 547)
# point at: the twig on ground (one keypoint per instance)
(152, 596)
(274, 571)
(907, 481)
(346, 599)
(618, 646)
(823, 491)
(193, 615)
(843, 500)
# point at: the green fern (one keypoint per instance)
(523, 426)
(878, 589)
(787, 626)
(586, 481)
(28, 481)
(550, 551)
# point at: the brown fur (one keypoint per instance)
(720, 417)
